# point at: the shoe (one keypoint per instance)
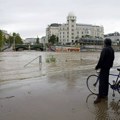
(104, 97)
(98, 100)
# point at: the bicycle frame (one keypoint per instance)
(118, 76)
(115, 82)
(113, 86)
(92, 82)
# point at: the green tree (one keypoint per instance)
(5, 40)
(10, 39)
(1, 38)
(53, 39)
(16, 38)
(37, 40)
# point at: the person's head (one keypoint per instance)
(107, 42)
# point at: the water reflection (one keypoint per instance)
(115, 108)
(71, 78)
(105, 110)
(101, 111)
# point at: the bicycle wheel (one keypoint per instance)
(118, 86)
(93, 84)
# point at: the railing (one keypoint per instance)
(40, 60)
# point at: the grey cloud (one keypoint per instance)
(37, 14)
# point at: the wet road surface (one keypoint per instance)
(53, 90)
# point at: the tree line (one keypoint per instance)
(10, 39)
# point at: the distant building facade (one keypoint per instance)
(115, 37)
(30, 40)
(71, 31)
(43, 40)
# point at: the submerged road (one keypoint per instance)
(52, 90)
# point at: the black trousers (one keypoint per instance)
(104, 82)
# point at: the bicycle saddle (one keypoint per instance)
(118, 69)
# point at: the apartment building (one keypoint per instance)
(115, 37)
(72, 31)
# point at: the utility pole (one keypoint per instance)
(14, 42)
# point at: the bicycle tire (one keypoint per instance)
(91, 80)
(118, 87)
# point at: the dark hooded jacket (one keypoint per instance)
(106, 57)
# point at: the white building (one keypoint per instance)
(115, 37)
(72, 31)
(43, 40)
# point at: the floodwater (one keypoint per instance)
(24, 65)
(52, 86)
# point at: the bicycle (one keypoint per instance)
(93, 83)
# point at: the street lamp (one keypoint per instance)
(14, 42)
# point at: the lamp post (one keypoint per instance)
(14, 42)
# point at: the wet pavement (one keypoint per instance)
(54, 89)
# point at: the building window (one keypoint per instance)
(72, 33)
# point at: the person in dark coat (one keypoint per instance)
(104, 64)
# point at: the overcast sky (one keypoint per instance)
(30, 18)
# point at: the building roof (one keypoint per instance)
(55, 25)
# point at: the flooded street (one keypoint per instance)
(24, 65)
(52, 86)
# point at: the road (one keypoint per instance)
(51, 90)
